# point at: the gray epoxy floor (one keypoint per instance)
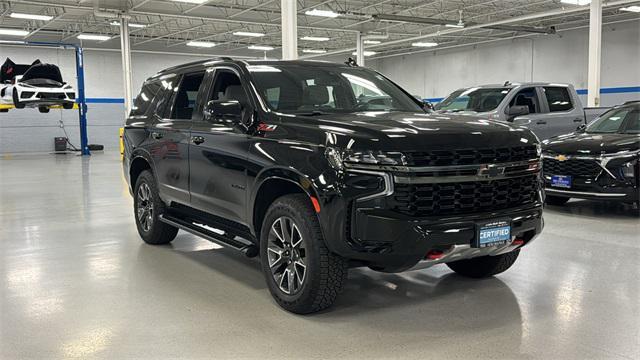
(76, 281)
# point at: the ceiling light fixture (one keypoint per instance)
(576, 2)
(30, 16)
(203, 44)
(314, 51)
(315, 38)
(249, 34)
(457, 26)
(424, 44)
(372, 42)
(323, 13)
(94, 37)
(13, 32)
(365, 53)
(192, 1)
(632, 8)
(260, 47)
(133, 25)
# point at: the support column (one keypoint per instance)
(125, 50)
(359, 49)
(595, 50)
(289, 29)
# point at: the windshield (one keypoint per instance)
(473, 99)
(299, 89)
(623, 120)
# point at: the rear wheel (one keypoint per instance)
(16, 100)
(43, 109)
(147, 209)
(302, 274)
(67, 106)
(556, 200)
(484, 266)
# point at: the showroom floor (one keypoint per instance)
(77, 281)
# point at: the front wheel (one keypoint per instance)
(43, 109)
(556, 200)
(147, 209)
(302, 274)
(484, 266)
(67, 105)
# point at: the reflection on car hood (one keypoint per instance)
(591, 144)
(403, 131)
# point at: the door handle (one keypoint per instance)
(157, 135)
(197, 140)
(578, 120)
(541, 122)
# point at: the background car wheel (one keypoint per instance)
(16, 100)
(147, 208)
(484, 266)
(556, 200)
(67, 106)
(43, 109)
(302, 274)
(4, 110)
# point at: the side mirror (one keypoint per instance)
(517, 110)
(223, 110)
(581, 128)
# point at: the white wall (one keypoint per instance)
(553, 58)
(26, 130)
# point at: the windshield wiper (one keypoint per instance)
(312, 113)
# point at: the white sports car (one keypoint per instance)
(36, 85)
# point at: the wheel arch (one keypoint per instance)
(272, 185)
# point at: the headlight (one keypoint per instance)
(341, 158)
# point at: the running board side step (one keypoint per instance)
(249, 249)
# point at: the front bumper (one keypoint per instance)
(391, 242)
(46, 96)
(592, 189)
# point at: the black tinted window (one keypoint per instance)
(145, 98)
(185, 99)
(558, 98)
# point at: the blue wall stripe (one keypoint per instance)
(105, 100)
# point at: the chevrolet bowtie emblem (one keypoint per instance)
(561, 158)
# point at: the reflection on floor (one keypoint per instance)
(76, 281)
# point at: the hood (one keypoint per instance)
(402, 131)
(591, 144)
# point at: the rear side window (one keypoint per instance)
(145, 98)
(558, 98)
(185, 99)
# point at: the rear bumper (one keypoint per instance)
(391, 242)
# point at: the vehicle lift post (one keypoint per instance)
(80, 95)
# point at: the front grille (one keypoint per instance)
(470, 156)
(573, 167)
(464, 197)
(54, 96)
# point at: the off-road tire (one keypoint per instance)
(484, 266)
(556, 200)
(325, 272)
(157, 232)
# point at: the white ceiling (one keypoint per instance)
(171, 24)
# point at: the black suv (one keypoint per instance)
(317, 167)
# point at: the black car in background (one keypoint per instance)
(599, 161)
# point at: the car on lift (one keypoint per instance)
(547, 109)
(37, 85)
(317, 167)
(599, 161)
